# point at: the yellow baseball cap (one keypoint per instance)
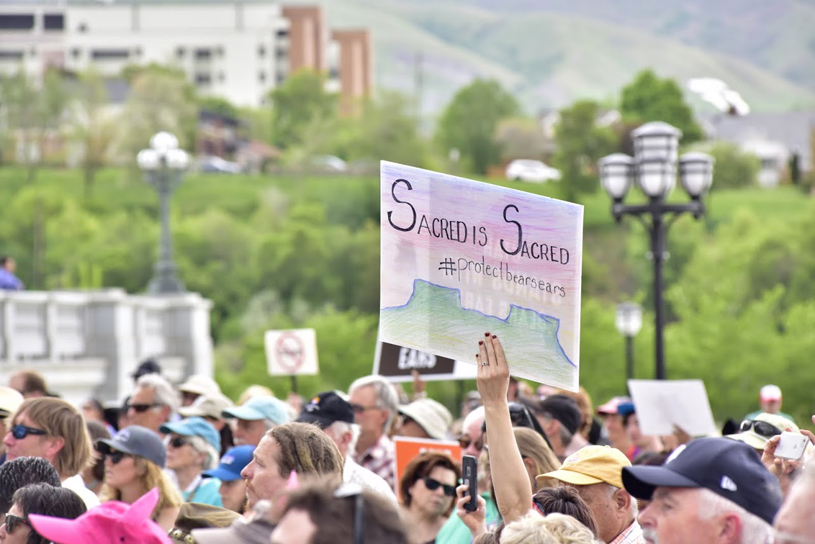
(591, 465)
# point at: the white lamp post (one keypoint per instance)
(629, 322)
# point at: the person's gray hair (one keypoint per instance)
(754, 530)
(165, 394)
(633, 509)
(386, 396)
(200, 445)
(339, 428)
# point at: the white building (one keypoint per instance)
(238, 50)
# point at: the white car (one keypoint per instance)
(216, 165)
(532, 171)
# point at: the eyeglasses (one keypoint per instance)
(761, 428)
(358, 408)
(12, 522)
(464, 441)
(432, 485)
(178, 442)
(114, 456)
(141, 408)
(21, 431)
(346, 491)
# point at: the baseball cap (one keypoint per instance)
(591, 465)
(756, 436)
(200, 384)
(199, 516)
(10, 400)
(770, 392)
(270, 408)
(431, 416)
(147, 367)
(563, 409)
(194, 426)
(112, 521)
(325, 409)
(610, 407)
(207, 406)
(626, 408)
(729, 468)
(136, 440)
(232, 463)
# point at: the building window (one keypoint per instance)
(219, 51)
(104, 54)
(179, 52)
(203, 53)
(76, 52)
(261, 51)
(262, 77)
(282, 53)
(16, 22)
(203, 79)
(281, 77)
(221, 77)
(283, 33)
(137, 52)
(82, 28)
(54, 21)
(10, 55)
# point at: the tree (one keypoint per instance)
(94, 127)
(520, 138)
(160, 99)
(733, 168)
(580, 144)
(649, 98)
(299, 102)
(469, 121)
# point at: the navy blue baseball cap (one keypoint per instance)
(730, 469)
(232, 463)
(325, 409)
(136, 440)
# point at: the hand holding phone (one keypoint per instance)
(469, 466)
(791, 446)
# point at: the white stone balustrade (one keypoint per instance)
(87, 343)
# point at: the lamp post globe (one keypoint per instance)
(696, 173)
(629, 322)
(163, 164)
(616, 175)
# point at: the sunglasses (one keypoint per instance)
(761, 428)
(178, 442)
(464, 441)
(114, 456)
(12, 522)
(347, 491)
(432, 485)
(141, 408)
(358, 408)
(21, 431)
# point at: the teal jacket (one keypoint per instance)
(455, 532)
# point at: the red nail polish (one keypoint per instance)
(487, 334)
(494, 337)
(480, 342)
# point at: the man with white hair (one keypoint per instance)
(595, 473)
(153, 403)
(375, 403)
(709, 491)
(334, 415)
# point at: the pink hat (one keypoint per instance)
(112, 522)
(611, 407)
(770, 393)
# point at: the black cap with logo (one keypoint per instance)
(325, 409)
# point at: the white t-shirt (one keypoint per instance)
(77, 485)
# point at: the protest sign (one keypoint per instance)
(397, 363)
(663, 404)
(291, 352)
(408, 448)
(460, 258)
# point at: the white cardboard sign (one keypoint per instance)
(291, 352)
(663, 404)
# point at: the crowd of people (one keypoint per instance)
(188, 464)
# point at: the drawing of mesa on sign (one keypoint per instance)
(529, 338)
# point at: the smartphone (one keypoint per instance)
(469, 467)
(791, 446)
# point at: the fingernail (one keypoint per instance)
(487, 334)
(494, 337)
(480, 342)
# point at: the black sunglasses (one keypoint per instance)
(21, 431)
(346, 491)
(760, 427)
(432, 485)
(141, 408)
(358, 408)
(114, 456)
(178, 442)
(464, 441)
(12, 522)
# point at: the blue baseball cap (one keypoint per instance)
(271, 408)
(194, 426)
(232, 463)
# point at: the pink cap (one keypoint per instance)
(770, 393)
(610, 408)
(112, 522)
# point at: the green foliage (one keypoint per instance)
(520, 138)
(733, 168)
(469, 121)
(580, 144)
(299, 102)
(218, 105)
(649, 98)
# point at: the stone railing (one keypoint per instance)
(87, 343)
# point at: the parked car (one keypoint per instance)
(217, 165)
(532, 171)
(329, 163)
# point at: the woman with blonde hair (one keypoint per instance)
(538, 457)
(552, 529)
(134, 460)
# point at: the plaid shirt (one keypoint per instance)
(632, 535)
(380, 459)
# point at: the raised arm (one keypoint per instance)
(513, 492)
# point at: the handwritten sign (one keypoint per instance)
(408, 448)
(291, 352)
(460, 258)
(661, 404)
(397, 363)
